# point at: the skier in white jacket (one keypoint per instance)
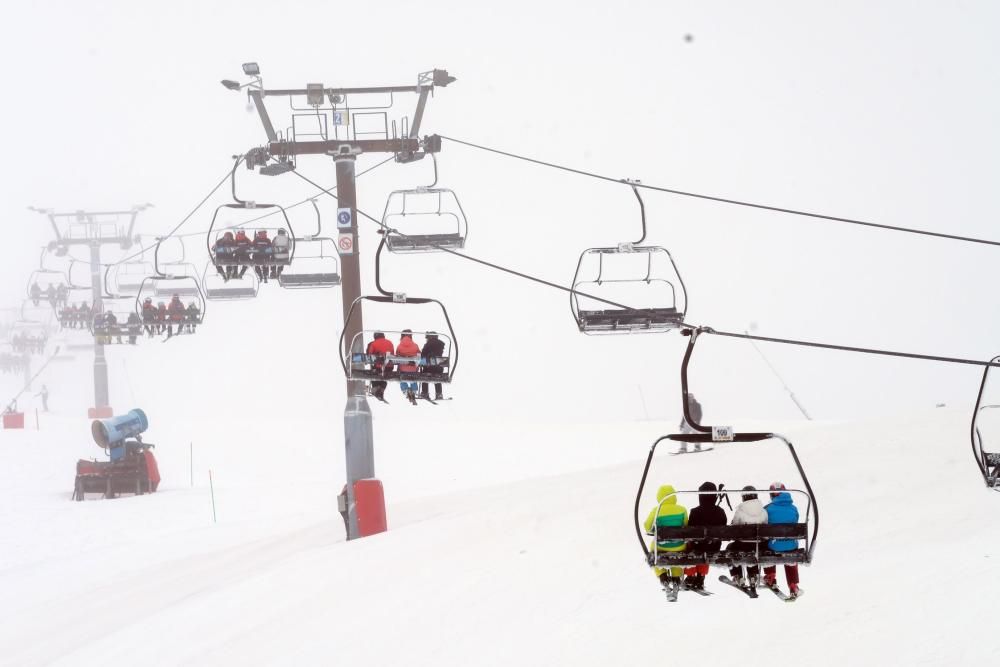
(748, 512)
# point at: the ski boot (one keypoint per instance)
(412, 397)
(424, 394)
(438, 395)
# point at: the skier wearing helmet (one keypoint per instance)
(225, 252)
(242, 243)
(433, 349)
(148, 315)
(262, 254)
(781, 510)
(407, 348)
(280, 245)
(707, 513)
(749, 512)
(378, 349)
(175, 313)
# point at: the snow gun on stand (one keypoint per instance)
(132, 468)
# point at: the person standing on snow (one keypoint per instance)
(781, 510)
(44, 394)
(749, 512)
(667, 513)
(707, 513)
(407, 348)
(694, 408)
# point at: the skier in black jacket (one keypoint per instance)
(707, 513)
(433, 349)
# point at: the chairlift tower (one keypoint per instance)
(327, 121)
(94, 230)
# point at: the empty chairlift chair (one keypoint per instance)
(986, 429)
(127, 277)
(628, 288)
(424, 219)
(316, 265)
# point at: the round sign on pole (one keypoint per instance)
(344, 217)
(345, 244)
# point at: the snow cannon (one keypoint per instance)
(112, 433)
(132, 468)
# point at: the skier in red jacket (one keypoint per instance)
(175, 313)
(407, 348)
(378, 348)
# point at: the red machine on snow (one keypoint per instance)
(132, 468)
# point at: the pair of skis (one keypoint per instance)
(752, 593)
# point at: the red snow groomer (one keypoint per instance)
(132, 468)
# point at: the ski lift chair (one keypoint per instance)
(118, 333)
(267, 258)
(756, 535)
(358, 365)
(644, 281)
(628, 288)
(219, 288)
(128, 276)
(424, 220)
(166, 283)
(988, 462)
(179, 279)
(45, 277)
(316, 265)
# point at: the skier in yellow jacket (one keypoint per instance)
(667, 513)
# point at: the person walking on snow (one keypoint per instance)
(694, 408)
(781, 510)
(44, 394)
(707, 513)
(667, 513)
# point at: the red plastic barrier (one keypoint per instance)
(100, 413)
(369, 503)
(13, 420)
(152, 470)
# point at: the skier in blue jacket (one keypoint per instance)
(780, 510)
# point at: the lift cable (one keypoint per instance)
(476, 259)
(186, 218)
(291, 206)
(736, 202)
(847, 348)
(707, 330)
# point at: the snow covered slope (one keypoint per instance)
(508, 544)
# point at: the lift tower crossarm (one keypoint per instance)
(276, 148)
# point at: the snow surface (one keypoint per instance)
(511, 541)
